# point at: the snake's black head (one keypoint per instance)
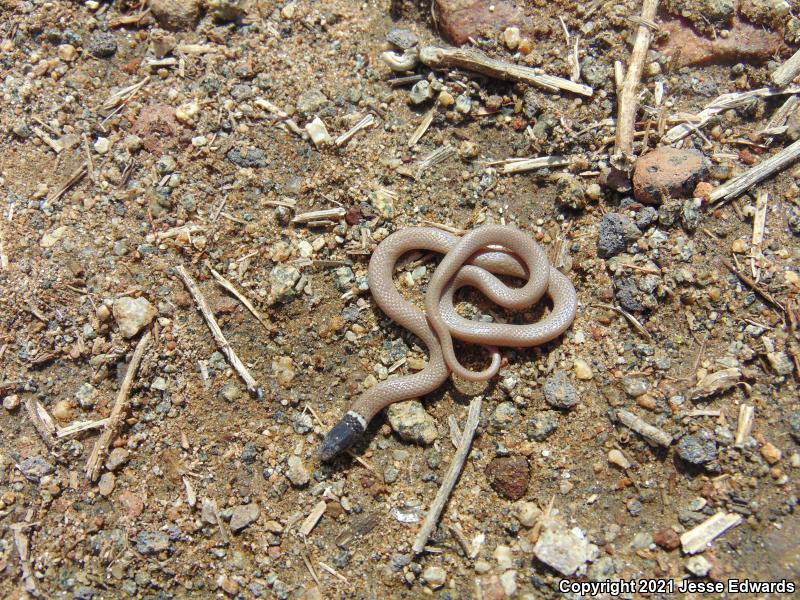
(343, 435)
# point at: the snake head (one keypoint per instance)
(343, 435)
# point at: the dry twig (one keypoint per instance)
(238, 366)
(241, 297)
(450, 479)
(478, 62)
(117, 411)
(785, 74)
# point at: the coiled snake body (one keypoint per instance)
(472, 260)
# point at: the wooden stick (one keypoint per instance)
(652, 434)
(239, 296)
(695, 540)
(785, 74)
(117, 411)
(628, 98)
(766, 168)
(529, 164)
(450, 479)
(224, 346)
(473, 60)
(753, 285)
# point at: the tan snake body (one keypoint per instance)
(473, 261)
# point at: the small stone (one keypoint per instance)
(434, 576)
(698, 566)
(103, 313)
(87, 394)
(132, 315)
(102, 44)
(151, 542)
(504, 415)
(117, 458)
(615, 457)
(62, 411)
(771, 453)
(780, 363)
(570, 192)
(667, 539)
(634, 386)
(67, 52)
(311, 101)
(244, 516)
(463, 104)
(446, 99)
(509, 582)
(511, 37)
(283, 279)
(11, 402)
(739, 246)
(616, 232)
(297, 472)
(247, 158)
(509, 476)
(697, 448)
(641, 541)
(559, 391)
(744, 43)
(527, 513)
(562, 549)
(468, 150)
(227, 10)
(542, 425)
(106, 484)
(460, 20)
(230, 392)
(794, 425)
(667, 172)
(412, 423)
(84, 592)
(421, 92)
(132, 504)
(382, 200)
(102, 145)
(35, 467)
(402, 38)
(176, 14)
(284, 371)
(582, 369)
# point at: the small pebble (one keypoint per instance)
(698, 566)
(244, 516)
(615, 457)
(771, 453)
(297, 472)
(11, 402)
(62, 411)
(434, 576)
(582, 369)
(106, 484)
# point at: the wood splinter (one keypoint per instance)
(252, 386)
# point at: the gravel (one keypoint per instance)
(616, 232)
(559, 391)
(102, 44)
(412, 423)
(243, 516)
(152, 542)
(697, 448)
(35, 467)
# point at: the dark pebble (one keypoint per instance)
(559, 391)
(698, 448)
(102, 45)
(542, 425)
(254, 158)
(509, 476)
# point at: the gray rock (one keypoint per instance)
(398, 561)
(463, 104)
(244, 516)
(627, 294)
(86, 395)
(393, 350)
(697, 448)
(616, 232)
(311, 101)
(794, 425)
(84, 592)
(402, 38)
(230, 392)
(669, 213)
(641, 541)
(635, 386)
(603, 568)
(116, 458)
(390, 474)
(434, 576)
(132, 315)
(297, 472)
(421, 92)
(102, 44)
(344, 278)
(570, 192)
(559, 391)
(504, 415)
(283, 279)
(412, 423)
(106, 484)
(690, 213)
(780, 362)
(698, 566)
(176, 14)
(646, 217)
(561, 549)
(303, 423)
(542, 425)
(152, 542)
(35, 467)
(252, 158)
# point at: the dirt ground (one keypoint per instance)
(204, 162)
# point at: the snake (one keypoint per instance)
(477, 259)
